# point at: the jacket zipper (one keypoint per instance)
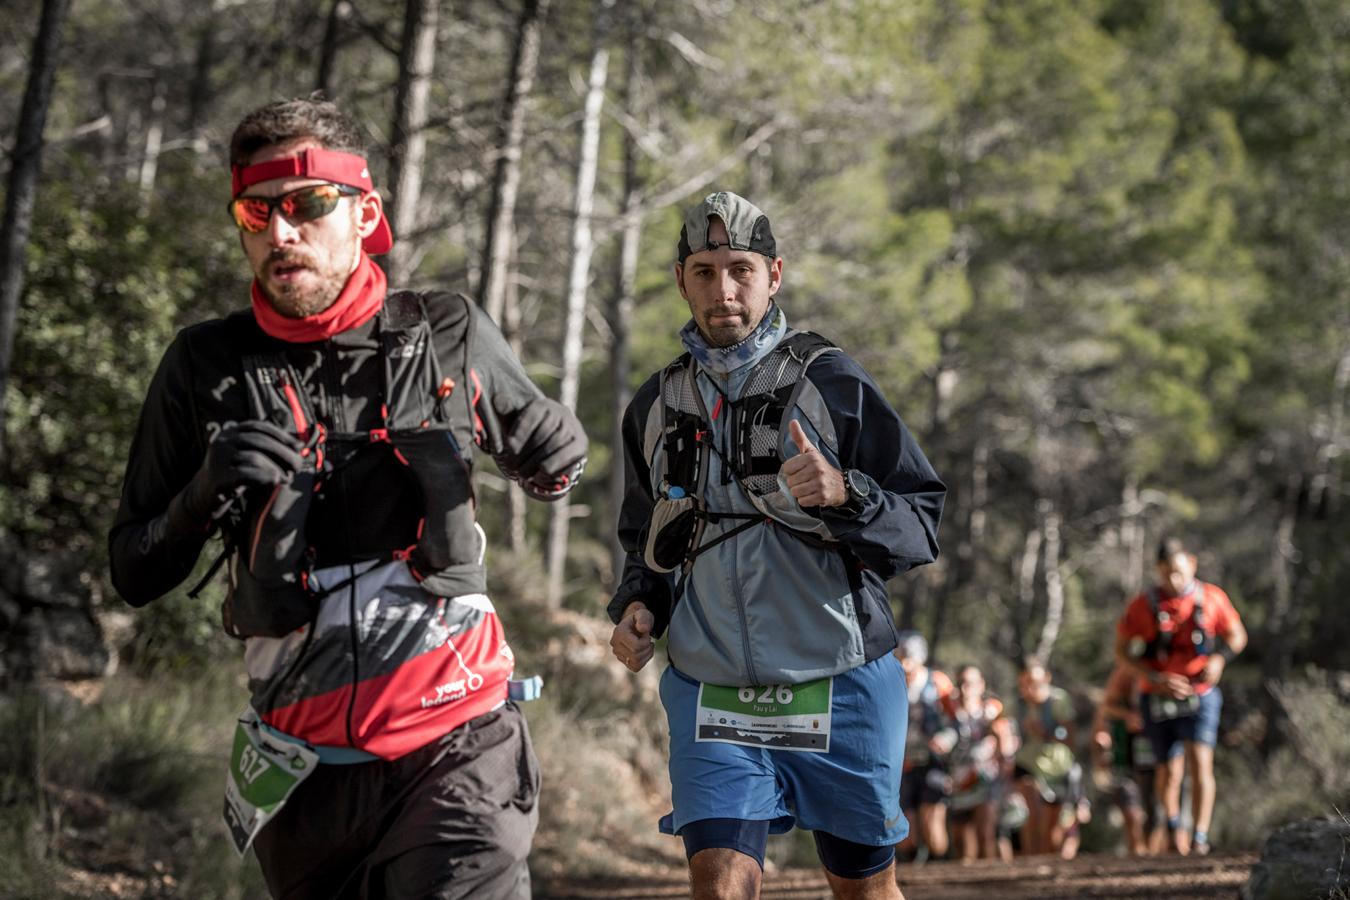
(729, 426)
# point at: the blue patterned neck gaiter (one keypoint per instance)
(764, 338)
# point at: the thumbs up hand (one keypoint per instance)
(811, 480)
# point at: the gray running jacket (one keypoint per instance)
(769, 605)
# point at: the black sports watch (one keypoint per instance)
(858, 488)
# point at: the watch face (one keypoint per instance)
(857, 484)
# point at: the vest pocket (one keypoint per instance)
(448, 535)
(255, 609)
(671, 533)
(267, 595)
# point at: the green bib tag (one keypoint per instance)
(264, 772)
(772, 716)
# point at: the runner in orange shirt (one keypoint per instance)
(1169, 636)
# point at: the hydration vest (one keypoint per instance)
(754, 421)
(270, 593)
(1165, 628)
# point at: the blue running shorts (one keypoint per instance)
(851, 792)
(1169, 736)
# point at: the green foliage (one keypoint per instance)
(107, 282)
(178, 636)
(1095, 253)
(29, 871)
(1308, 776)
(138, 772)
(603, 790)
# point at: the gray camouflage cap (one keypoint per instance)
(747, 227)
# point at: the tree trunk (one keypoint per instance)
(1326, 489)
(945, 379)
(582, 247)
(1276, 649)
(979, 492)
(332, 29)
(200, 92)
(109, 136)
(131, 144)
(941, 602)
(154, 140)
(962, 566)
(23, 178)
(506, 172)
(1026, 587)
(1131, 535)
(621, 313)
(1054, 582)
(408, 138)
(914, 601)
(517, 505)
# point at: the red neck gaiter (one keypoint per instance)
(360, 299)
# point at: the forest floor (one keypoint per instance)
(1103, 877)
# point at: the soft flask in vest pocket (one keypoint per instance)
(448, 537)
(672, 533)
(267, 596)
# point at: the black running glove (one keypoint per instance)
(243, 455)
(545, 448)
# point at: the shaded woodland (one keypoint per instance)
(1096, 253)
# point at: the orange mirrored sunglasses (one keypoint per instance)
(304, 204)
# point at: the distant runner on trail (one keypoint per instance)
(1048, 776)
(977, 747)
(327, 434)
(771, 492)
(1170, 637)
(924, 786)
(1125, 753)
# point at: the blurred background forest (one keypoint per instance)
(1096, 252)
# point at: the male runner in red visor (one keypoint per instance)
(327, 435)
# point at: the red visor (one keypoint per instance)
(330, 165)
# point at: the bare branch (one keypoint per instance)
(716, 170)
(690, 51)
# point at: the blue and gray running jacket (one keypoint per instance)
(802, 596)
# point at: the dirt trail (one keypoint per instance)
(1104, 877)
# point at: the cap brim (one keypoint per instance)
(381, 240)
